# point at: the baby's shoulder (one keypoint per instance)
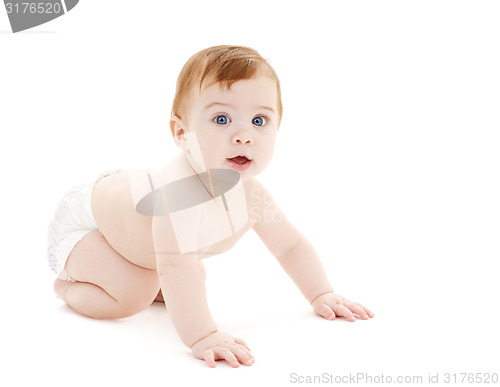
(254, 187)
(258, 197)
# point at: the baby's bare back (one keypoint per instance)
(127, 231)
(131, 233)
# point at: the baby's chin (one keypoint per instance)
(245, 177)
(251, 173)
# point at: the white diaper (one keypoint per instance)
(72, 219)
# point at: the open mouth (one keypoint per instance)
(240, 159)
(240, 163)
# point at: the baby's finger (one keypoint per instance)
(358, 310)
(244, 349)
(242, 354)
(341, 310)
(241, 341)
(327, 312)
(226, 354)
(209, 357)
(368, 311)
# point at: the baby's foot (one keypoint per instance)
(60, 287)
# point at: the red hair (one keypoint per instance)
(221, 64)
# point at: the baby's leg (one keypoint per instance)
(108, 285)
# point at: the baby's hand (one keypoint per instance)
(329, 305)
(220, 345)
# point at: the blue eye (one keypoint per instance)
(259, 121)
(221, 120)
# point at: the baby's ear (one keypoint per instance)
(177, 129)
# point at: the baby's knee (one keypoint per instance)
(131, 306)
(127, 306)
(138, 296)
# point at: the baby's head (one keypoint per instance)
(227, 104)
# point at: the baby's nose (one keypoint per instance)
(242, 137)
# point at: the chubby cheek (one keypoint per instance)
(266, 154)
(211, 151)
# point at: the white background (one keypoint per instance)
(387, 160)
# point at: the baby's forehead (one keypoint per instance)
(257, 86)
(242, 93)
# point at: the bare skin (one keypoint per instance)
(121, 267)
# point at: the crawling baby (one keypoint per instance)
(129, 238)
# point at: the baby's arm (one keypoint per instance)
(183, 286)
(300, 261)
(182, 281)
